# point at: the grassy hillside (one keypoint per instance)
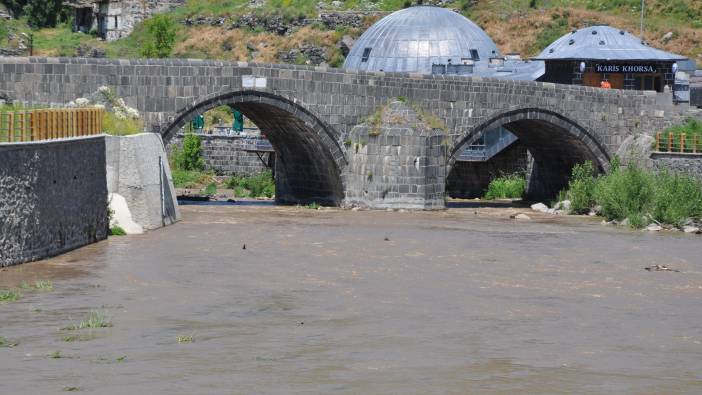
(524, 26)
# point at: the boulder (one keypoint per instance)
(654, 228)
(691, 229)
(540, 207)
(637, 148)
(563, 206)
(521, 217)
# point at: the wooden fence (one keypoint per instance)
(671, 142)
(36, 125)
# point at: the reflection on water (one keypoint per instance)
(331, 301)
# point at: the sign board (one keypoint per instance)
(249, 81)
(625, 68)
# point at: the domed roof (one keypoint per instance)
(603, 43)
(410, 40)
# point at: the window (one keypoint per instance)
(366, 54)
(474, 54)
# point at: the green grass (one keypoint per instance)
(313, 206)
(117, 231)
(506, 187)
(260, 185)
(94, 319)
(211, 189)
(9, 295)
(191, 178)
(56, 355)
(44, 285)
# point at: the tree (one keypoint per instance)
(39, 13)
(160, 37)
(190, 157)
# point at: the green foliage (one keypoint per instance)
(677, 198)
(190, 156)
(506, 187)
(625, 193)
(636, 194)
(117, 231)
(94, 319)
(313, 206)
(116, 126)
(552, 31)
(6, 343)
(260, 185)
(211, 189)
(161, 36)
(190, 178)
(40, 13)
(581, 188)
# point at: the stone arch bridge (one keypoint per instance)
(311, 116)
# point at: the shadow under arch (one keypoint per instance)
(309, 160)
(555, 143)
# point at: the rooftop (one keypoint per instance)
(603, 43)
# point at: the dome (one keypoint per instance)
(603, 43)
(410, 40)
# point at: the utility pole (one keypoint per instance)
(642, 20)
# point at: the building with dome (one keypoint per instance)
(415, 38)
(595, 54)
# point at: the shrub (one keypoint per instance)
(116, 126)
(190, 178)
(506, 187)
(211, 189)
(259, 185)
(160, 38)
(625, 193)
(677, 197)
(581, 188)
(190, 156)
(117, 231)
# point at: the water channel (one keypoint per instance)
(460, 301)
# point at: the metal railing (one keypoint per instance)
(483, 152)
(680, 143)
(36, 125)
(258, 144)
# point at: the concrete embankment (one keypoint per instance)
(53, 197)
(138, 174)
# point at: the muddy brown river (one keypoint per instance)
(461, 301)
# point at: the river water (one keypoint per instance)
(331, 301)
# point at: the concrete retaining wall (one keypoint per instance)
(221, 155)
(53, 198)
(137, 169)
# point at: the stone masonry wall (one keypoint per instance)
(53, 198)
(222, 155)
(398, 163)
(471, 179)
(688, 163)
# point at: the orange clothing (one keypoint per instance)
(605, 85)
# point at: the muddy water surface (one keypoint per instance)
(330, 301)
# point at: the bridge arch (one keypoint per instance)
(555, 142)
(309, 160)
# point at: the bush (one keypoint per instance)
(624, 193)
(160, 37)
(211, 189)
(190, 178)
(117, 231)
(581, 188)
(260, 185)
(677, 197)
(506, 187)
(190, 156)
(116, 126)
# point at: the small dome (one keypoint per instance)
(603, 43)
(410, 40)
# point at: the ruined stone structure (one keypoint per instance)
(114, 19)
(308, 113)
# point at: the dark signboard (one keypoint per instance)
(625, 68)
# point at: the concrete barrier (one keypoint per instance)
(53, 197)
(138, 170)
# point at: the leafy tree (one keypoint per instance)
(161, 36)
(39, 13)
(190, 157)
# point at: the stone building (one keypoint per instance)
(114, 19)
